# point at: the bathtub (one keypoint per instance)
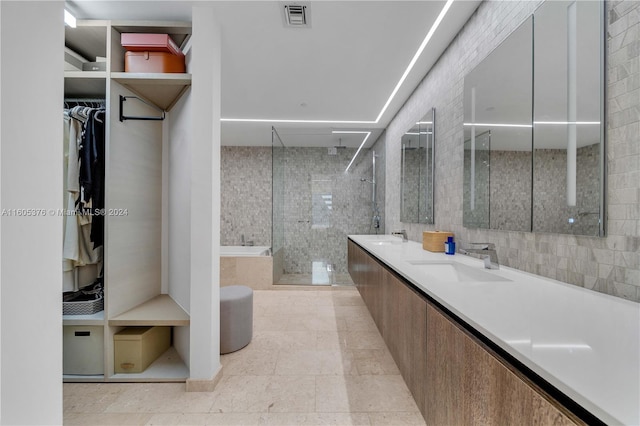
(246, 265)
(243, 251)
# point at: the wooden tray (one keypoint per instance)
(434, 240)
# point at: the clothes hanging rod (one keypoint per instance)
(125, 117)
(89, 102)
(84, 100)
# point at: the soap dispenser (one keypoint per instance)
(450, 246)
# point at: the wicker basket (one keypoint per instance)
(434, 240)
(83, 307)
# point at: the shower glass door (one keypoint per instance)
(322, 205)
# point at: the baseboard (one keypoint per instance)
(200, 385)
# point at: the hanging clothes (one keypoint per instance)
(78, 249)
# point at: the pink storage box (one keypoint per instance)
(140, 42)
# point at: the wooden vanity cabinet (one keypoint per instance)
(454, 377)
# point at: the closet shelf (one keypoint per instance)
(162, 89)
(161, 310)
(95, 319)
(92, 75)
(85, 83)
(169, 367)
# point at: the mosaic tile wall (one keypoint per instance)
(510, 198)
(323, 206)
(411, 185)
(610, 265)
(245, 186)
(550, 211)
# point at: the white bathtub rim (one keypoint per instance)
(245, 251)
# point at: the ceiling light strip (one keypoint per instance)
(566, 122)
(497, 125)
(357, 152)
(269, 120)
(433, 29)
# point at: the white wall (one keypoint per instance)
(205, 196)
(31, 81)
(179, 193)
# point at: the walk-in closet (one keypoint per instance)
(142, 267)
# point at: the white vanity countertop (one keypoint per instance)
(585, 343)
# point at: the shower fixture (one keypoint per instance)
(339, 146)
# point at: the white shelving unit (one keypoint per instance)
(135, 175)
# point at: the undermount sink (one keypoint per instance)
(454, 272)
(385, 242)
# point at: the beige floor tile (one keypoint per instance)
(251, 394)
(283, 340)
(318, 322)
(315, 419)
(315, 362)
(288, 308)
(331, 340)
(396, 419)
(106, 419)
(363, 394)
(249, 361)
(374, 362)
(351, 311)
(363, 340)
(91, 397)
(161, 398)
(363, 323)
(213, 419)
(270, 322)
(347, 299)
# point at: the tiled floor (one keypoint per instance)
(331, 278)
(316, 358)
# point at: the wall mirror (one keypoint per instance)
(418, 170)
(497, 136)
(568, 147)
(533, 126)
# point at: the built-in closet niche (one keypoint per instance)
(139, 290)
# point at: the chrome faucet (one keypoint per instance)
(246, 243)
(484, 251)
(402, 233)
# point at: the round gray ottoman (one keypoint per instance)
(236, 317)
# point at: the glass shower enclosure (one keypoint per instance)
(316, 204)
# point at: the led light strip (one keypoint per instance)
(566, 122)
(415, 58)
(497, 125)
(359, 148)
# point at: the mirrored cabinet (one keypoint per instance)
(418, 164)
(497, 136)
(534, 126)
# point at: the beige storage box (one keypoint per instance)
(137, 347)
(434, 240)
(83, 350)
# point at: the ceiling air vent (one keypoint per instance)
(296, 15)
